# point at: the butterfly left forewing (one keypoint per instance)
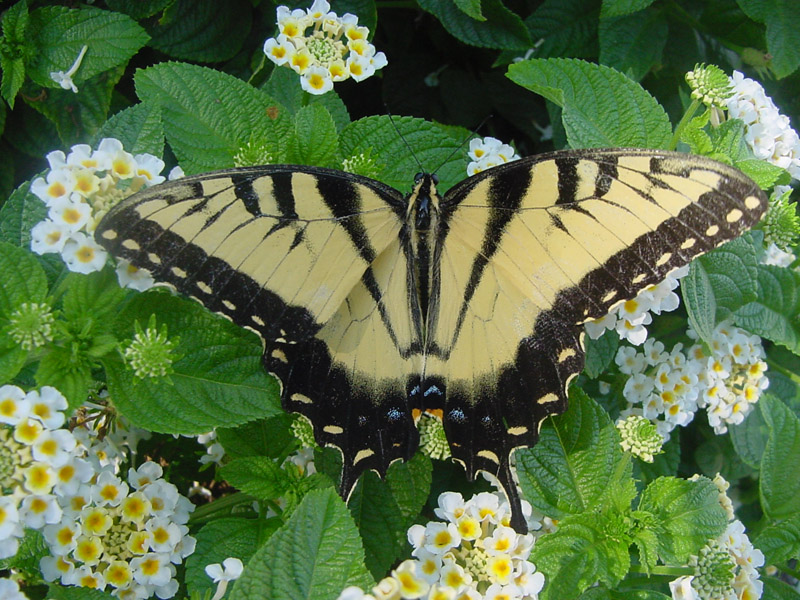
(313, 261)
(532, 249)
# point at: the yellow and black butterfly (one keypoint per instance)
(372, 304)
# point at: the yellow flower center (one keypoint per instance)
(85, 254)
(56, 189)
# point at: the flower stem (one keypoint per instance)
(687, 116)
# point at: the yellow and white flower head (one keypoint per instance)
(487, 153)
(490, 562)
(322, 47)
(78, 190)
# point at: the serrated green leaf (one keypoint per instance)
(217, 382)
(19, 214)
(410, 483)
(579, 554)
(686, 515)
(202, 30)
(471, 8)
(138, 127)
(779, 482)
(380, 523)
(138, 9)
(63, 592)
(61, 33)
(32, 547)
(576, 462)
(617, 8)
(763, 173)
(750, 437)
(220, 539)
(271, 437)
(699, 299)
(284, 86)
(775, 314)
(601, 107)
(780, 542)
(95, 296)
(12, 359)
(783, 37)
(600, 353)
(383, 139)
(314, 141)
(208, 115)
(775, 589)
(259, 476)
(68, 371)
(79, 116)
(12, 63)
(729, 141)
(501, 28)
(600, 593)
(23, 279)
(315, 555)
(565, 28)
(633, 44)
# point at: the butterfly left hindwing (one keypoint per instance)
(371, 305)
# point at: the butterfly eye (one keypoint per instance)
(435, 178)
(418, 177)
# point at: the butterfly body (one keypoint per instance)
(372, 304)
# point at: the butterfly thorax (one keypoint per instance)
(422, 221)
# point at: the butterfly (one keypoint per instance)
(374, 305)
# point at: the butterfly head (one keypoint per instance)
(423, 202)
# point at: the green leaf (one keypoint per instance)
(70, 372)
(139, 128)
(138, 9)
(271, 437)
(218, 381)
(202, 30)
(220, 539)
(383, 139)
(699, 299)
(576, 463)
(12, 359)
(315, 141)
(585, 549)
(750, 437)
(23, 279)
(61, 33)
(380, 523)
(633, 44)
(600, 353)
(618, 8)
(501, 28)
(12, 63)
(32, 548)
(783, 37)
(209, 115)
(471, 8)
(284, 86)
(19, 214)
(780, 542)
(779, 483)
(79, 116)
(763, 173)
(315, 555)
(775, 314)
(258, 476)
(775, 589)
(96, 296)
(601, 107)
(565, 28)
(686, 515)
(62, 592)
(410, 483)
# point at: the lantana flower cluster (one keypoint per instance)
(768, 132)
(102, 532)
(727, 567)
(669, 387)
(487, 153)
(322, 47)
(78, 190)
(472, 554)
(629, 319)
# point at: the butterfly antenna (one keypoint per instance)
(461, 145)
(405, 141)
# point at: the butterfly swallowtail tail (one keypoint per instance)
(372, 304)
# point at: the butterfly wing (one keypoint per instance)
(530, 250)
(314, 261)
